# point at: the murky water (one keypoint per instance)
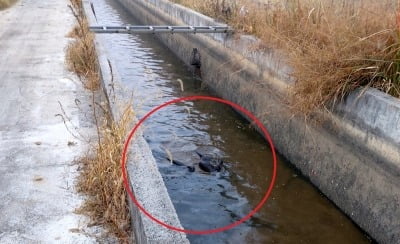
(295, 213)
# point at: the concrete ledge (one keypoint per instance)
(351, 156)
(145, 179)
(372, 119)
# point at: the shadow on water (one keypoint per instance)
(295, 213)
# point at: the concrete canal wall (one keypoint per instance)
(145, 179)
(352, 154)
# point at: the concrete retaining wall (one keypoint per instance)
(145, 179)
(352, 156)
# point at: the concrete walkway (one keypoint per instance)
(37, 152)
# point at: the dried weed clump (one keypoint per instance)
(6, 3)
(101, 179)
(81, 53)
(334, 46)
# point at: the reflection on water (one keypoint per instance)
(295, 213)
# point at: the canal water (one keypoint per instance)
(296, 212)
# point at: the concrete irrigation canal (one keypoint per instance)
(297, 211)
(195, 165)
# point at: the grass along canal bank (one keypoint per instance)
(6, 3)
(101, 180)
(334, 47)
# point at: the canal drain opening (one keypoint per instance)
(192, 231)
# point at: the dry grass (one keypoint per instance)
(6, 3)
(81, 53)
(101, 176)
(334, 46)
(101, 179)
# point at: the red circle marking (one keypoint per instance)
(209, 231)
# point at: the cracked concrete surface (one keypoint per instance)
(37, 152)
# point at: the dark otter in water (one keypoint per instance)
(209, 164)
(195, 61)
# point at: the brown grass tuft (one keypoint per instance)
(81, 53)
(334, 46)
(77, 5)
(101, 179)
(6, 3)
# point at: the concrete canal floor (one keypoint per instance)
(37, 152)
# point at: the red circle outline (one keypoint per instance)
(191, 98)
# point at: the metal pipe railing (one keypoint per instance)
(161, 29)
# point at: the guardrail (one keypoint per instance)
(161, 29)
